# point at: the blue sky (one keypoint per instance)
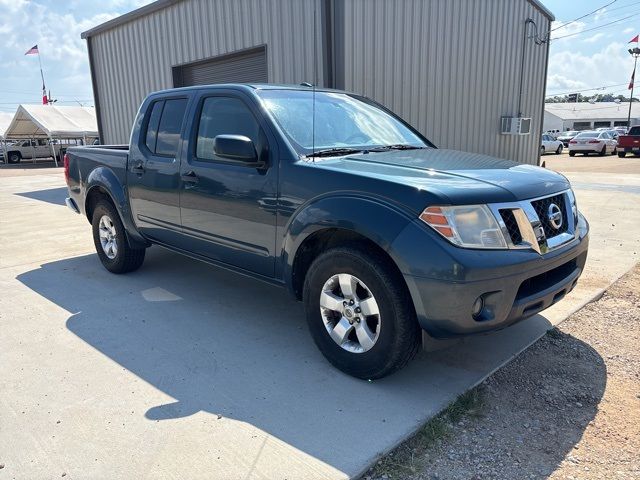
(55, 26)
(579, 61)
(594, 58)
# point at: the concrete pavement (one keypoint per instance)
(182, 370)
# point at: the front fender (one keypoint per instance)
(105, 178)
(373, 218)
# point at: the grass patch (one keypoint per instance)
(409, 457)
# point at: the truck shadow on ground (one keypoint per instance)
(55, 196)
(221, 343)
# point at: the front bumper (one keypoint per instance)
(514, 285)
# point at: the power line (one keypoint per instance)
(597, 27)
(588, 89)
(583, 16)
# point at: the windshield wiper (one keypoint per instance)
(334, 152)
(397, 146)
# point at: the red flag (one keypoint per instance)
(633, 76)
(634, 39)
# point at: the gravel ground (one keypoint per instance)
(567, 408)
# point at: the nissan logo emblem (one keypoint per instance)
(554, 215)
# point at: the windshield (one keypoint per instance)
(588, 135)
(568, 134)
(341, 121)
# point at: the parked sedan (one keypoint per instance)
(550, 144)
(566, 137)
(601, 143)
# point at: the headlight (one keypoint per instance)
(470, 226)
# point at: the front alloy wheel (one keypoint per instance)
(350, 313)
(108, 239)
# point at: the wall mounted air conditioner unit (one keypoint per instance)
(515, 126)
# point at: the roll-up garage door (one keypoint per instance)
(242, 67)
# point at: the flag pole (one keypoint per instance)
(42, 75)
(633, 83)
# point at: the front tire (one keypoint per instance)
(603, 152)
(559, 149)
(541, 151)
(111, 242)
(15, 157)
(360, 313)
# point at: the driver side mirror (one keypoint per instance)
(237, 148)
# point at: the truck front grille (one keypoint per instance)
(510, 222)
(542, 209)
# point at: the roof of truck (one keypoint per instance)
(250, 86)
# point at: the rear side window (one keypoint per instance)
(223, 116)
(152, 126)
(634, 131)
(170, 126)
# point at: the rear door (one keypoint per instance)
(228, 208)
(153, 170)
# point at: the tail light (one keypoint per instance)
(66, 167)
(573, 141)
(594, 141)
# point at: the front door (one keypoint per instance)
(227, 207)
(153, 171)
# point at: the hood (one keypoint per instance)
(455, 177)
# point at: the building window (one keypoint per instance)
(581, 125)
(601, 124)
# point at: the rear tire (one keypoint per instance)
(603, 152)
(111, 242)
(622, 154)
(394, 331)
(541, 151)
(15, 157)
(572, 154)
(559, 149)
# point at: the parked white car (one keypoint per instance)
(550, 144)
(601, 143)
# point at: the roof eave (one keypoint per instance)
(128, 17)
(545, 11)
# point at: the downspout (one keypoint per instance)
(544, 91)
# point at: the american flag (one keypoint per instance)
(33, 51)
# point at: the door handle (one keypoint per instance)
(190, 177)
(138, 167)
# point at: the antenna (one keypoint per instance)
(315, 82)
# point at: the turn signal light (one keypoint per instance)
(436, 219)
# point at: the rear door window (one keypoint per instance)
(152, 126)
(170, 127)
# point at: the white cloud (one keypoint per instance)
(629, 30)
(56, 30)
(594, 38)
(572, 70)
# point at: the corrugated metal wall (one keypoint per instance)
(449, 67)
(136, 58)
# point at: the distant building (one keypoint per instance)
(451, 68)
(585, 115)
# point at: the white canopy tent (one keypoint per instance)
(5, 120)
(53, 122)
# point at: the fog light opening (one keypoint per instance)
(477, 308)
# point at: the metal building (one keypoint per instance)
(452, 68)
(585, 115)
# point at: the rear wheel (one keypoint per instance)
(572, 154)
(15, 157)
(603, 152)
(622, 154)
(542, 150)
(359, 312)
(559, 149)
(110, 240)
